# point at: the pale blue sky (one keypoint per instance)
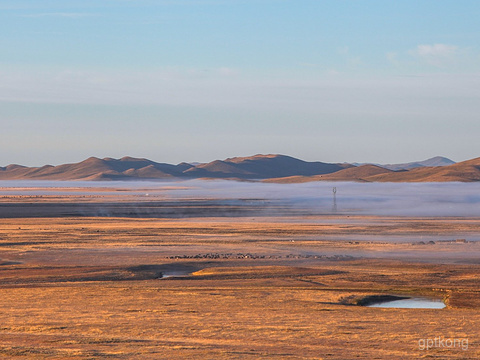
(197, 80)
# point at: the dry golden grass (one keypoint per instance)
(89, 288)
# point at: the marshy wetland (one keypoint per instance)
(236, 270)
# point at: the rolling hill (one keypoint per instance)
(435, 161)
(466, 171)
(358, 173)
(262, 167)
(268, 168)
(254, 167)
(97, 169)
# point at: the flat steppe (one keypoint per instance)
(233, 287)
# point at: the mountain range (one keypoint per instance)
(435, 161)
(268, 168)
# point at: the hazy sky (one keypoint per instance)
(197, 80)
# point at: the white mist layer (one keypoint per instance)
(405, 199)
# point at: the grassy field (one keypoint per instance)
(249, 288)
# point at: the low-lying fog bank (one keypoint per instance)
(404, 199)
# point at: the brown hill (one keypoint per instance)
(217, 169)
(254, 167)
(467, 171)
(359, 173)
(435, 161)
(97, 169)
(263, 167)
(269, 168)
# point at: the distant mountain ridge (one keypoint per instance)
(262, 167)
(269, 168)
(435, 161)
(253, 167)
(466, 171)
(97, 169)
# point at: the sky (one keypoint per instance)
(198, 80)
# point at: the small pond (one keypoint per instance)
(173, 275)
(411, 303)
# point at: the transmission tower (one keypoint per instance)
(334, 208)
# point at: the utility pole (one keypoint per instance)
(334, 208)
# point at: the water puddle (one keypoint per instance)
(410, 303)
(167, 275)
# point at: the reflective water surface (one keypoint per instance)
(412, 303)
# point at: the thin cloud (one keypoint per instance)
(61, 15)
(446, 58)
(392, 57)
(227, 71)
(438, 55)
(441, 50)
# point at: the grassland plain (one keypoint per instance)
(235, 287)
